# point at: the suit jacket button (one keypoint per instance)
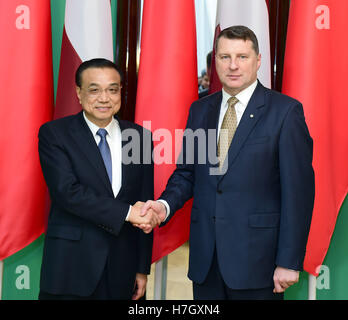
(219, 191)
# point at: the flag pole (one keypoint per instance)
(312, 285)
(160, 285)
(1, 274)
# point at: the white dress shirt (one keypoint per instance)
(114, 139)
(243, 100)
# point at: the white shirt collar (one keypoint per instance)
(110, 128)
(243, 96)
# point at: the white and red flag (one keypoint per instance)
(87, 34)
(254, 15)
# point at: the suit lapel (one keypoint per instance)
(212, 123)
(214, 111)
(84, 139)
(251, 116)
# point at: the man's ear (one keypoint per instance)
(78, 93)
(258, 61)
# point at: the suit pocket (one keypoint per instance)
(64, 232)
(257, 140)
(264, 220)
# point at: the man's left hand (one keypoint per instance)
(284, 278)
(140, 286)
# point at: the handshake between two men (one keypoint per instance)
(147, 215)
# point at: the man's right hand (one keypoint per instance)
(148, 221)
(151, 206)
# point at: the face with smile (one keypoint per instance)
(100, 94)
(236, 64)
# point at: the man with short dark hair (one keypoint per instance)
(250, 223)
(92, 250)
(205, 78)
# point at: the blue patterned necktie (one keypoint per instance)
(105, 152)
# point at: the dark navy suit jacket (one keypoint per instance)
(86, 225)
(257, 215)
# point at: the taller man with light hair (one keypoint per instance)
(249, 225)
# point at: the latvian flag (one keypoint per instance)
(87, 34)
(254, 15)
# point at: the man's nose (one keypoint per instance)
(233, 64)
(104, 96)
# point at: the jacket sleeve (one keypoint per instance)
(297, 189)
(179, 187)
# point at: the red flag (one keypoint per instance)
(167, 86)
(315, 72)
(26, 96)
(238, 12)
(87, 34)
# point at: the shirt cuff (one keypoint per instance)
(129, 210)
(167, 208)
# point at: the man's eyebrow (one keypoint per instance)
(97, 85)
(93, 84)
